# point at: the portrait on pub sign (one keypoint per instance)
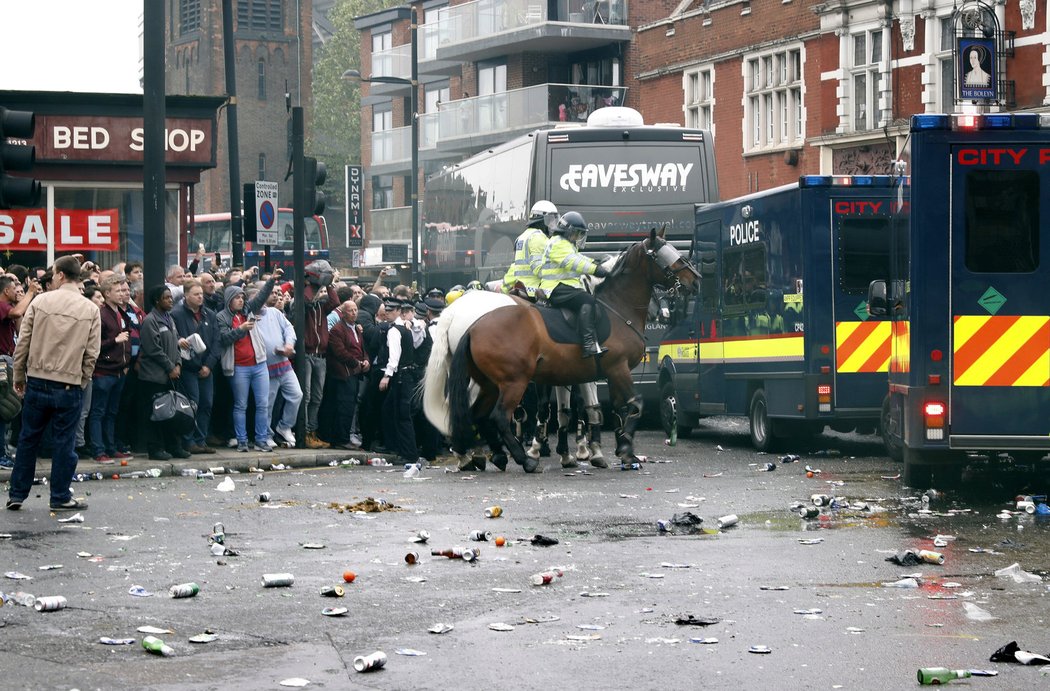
(977, 69)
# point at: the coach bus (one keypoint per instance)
(212, 231)
(624, 176)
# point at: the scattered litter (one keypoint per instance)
(669, 565)
(313, 545)
(157, 646)
(295, 682)
(810, 541)
(646, 574)
(226, 485)
(367, 505)
(421, 536)
(370, 663)
(506, 590)
(975, 613)
(543, 541)
(1011, 652)
(49, 604)
(718, 474)
(153, 630)
(116, 641)
(812, 610)
(500, 626)
(441, 628)
(704, 641)
(728, 521)
(902, 583)
(583, 637)
(588, 594)
(75, 518)
(665, 641)
(692, 620)
(409, 652)
(204, 638)
(49, 567)
(590, 627)
(1019, 575)
(334, 611)
(892, 477)
(773, 587)
(760, 649)
(16, 576)
(139, 591)
(854, 629)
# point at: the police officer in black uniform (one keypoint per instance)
(399, 382)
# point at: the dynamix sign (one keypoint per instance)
(627, 177)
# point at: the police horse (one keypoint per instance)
(487, 347)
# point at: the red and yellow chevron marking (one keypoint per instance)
(900, 360)
(1001, 351)
(862, 346)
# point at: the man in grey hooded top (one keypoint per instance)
(244, 361)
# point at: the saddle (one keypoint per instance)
(562, 324)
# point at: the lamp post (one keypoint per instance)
(413, 82)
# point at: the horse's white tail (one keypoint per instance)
(435, 403)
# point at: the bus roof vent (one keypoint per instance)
(615, 116)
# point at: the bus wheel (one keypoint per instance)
(890, 428)
(670, 417)
(761, 426)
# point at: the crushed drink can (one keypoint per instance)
(493, 512)
(421, 536)
(544, 577)
(277, 580)
(769, 467)
(727, 521)
(809, 512)
(820, 500)
(931, 557)
(663, 525)
(184, 590)
(205, 475)
(264, 497)
(217, 470)
(412, 558)
(480, 535)
(630, 466)
(370, 663)
(332, 591)
(50, 603)
(40, 481)
(189, 472)
(1026, 506)
(466, 553)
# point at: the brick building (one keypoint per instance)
(788, 87)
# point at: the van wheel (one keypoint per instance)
(762, 437)
(890, 428)
(670, 416)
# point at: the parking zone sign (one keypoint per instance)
(267, 232)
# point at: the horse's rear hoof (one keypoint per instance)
(599, 462)
(499, 460)
(567, 461)
(532, 465)
(545, 449)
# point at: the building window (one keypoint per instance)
(383, 192)
(262, 167)
(867, 79)
(189, 16)
(699, 98)
(382, 145)
(946, 68)
(773, 97)
(261, 69)
(259, 15)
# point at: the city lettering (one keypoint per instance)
(984, 157)
(626, 176)
(857, 208)
(743, 233)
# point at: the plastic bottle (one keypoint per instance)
(157, 646)
(184, 590)
(934, 676)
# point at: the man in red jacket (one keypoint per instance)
(347, 362)
(111, 371)
(321, 298)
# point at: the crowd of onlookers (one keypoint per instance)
(225, 339)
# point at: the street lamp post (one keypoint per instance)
(413, 189)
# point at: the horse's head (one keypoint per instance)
(669, 268)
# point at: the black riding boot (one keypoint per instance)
(588, 335)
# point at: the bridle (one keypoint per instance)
(666, 257)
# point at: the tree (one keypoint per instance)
(335, 136)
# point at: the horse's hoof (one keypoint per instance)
(599, 461)
(582, 452)
(499, 460)
(532, 465)
(534, 450)
(567, 461)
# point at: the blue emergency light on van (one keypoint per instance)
(931, 122)
(814, 180)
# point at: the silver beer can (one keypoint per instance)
(277, 580)
(50, 603)
(370, 663)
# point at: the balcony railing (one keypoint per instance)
(392, 146)
(393, 62)
(390, 225)
(482, 18)
(524, 108)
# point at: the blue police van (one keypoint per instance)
(780, 331)
(967, 296)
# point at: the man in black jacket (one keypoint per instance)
(399, 382)
(198, 381)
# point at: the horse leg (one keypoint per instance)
(563, 396)
(538, 446)
(480, 411)
(628, 407)
(583, 450)
(490, 431)
(526, 412)
(593, 410)
(510, 396)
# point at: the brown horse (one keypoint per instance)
(500, 343)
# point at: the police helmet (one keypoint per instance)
(475, 285)
(435, 293)
(453, 294)
(572, 227)
(543, 215)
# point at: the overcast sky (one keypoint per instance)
(70, 45)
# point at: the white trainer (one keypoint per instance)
(286, 434)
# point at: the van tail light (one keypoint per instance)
(933, 415)
(824, 398)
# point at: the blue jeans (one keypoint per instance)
(47, 401)
(202, 392)
(287, 384)
(256, 378)
(102, 420)
(316, 365)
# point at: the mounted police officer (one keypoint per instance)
(560, 274)
(528, 250)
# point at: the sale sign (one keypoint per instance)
(82, 230)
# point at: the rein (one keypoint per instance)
(626, 321)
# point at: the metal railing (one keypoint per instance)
(393, 62)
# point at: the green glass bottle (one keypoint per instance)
(940, 675)
(157, 646)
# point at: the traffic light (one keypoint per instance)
(17, 191)
(314, 175)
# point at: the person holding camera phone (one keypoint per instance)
(244, 361)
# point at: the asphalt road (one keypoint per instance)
(608, 622)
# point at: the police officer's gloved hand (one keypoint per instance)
(601, 272)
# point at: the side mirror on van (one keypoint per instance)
(877, 298)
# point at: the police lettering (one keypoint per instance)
(743, 233)
(995, 157)
(857, 208)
